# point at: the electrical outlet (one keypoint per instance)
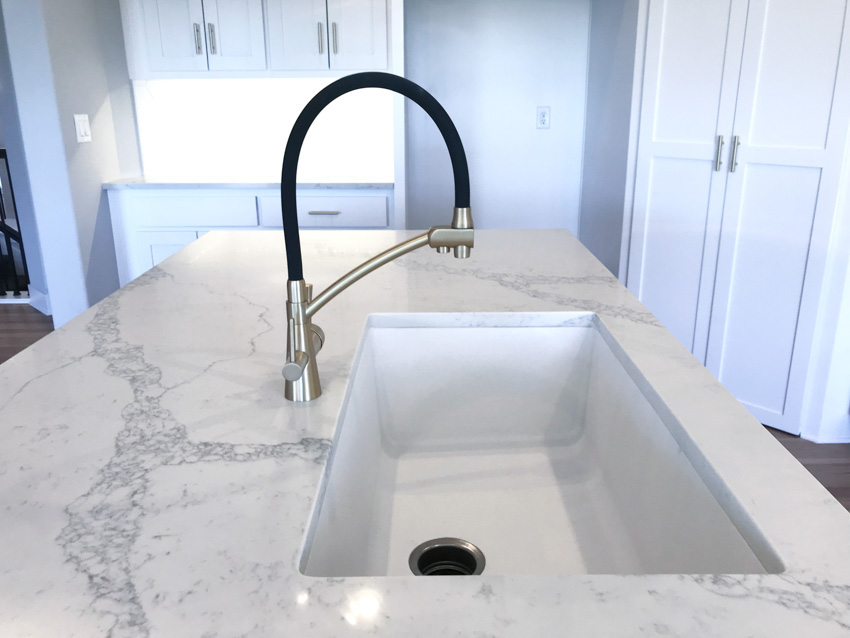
(81, 124)
(543, 116)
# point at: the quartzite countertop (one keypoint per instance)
(154, 481)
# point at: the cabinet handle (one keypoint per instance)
(198, 47)
(321, 39)
(213, 45)
(336, 39)
(736, 142)
(717, 153)
(323, 212)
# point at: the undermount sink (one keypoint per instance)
(531, 436)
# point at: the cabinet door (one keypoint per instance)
(690, 78)
(149, 248)
(792, 133)
(358, 34)
(235, 34)
(298, 35)
(174, 31)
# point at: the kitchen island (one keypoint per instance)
(155, 482)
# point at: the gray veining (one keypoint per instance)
(154, 482)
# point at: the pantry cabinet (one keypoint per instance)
(743, 127)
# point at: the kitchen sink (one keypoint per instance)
(532, 437)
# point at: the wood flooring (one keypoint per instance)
(828, 463)
(21, 326)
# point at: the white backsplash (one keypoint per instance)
(236, 130)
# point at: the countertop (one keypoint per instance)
(140, 183)
(155, 482)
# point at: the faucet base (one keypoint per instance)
(304, 340)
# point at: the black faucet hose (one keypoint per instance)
(327, 95)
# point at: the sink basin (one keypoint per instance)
(533, 437)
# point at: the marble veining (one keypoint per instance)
(155, 483)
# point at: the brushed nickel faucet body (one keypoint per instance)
(305, 339)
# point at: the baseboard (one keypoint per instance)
(40, 301)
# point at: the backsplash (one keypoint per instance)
(236, 130)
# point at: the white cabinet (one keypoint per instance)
(358, 34)
(235, 35)
(195, 35)
(151, 223)
(337, 35)
(298, 35)
(322, 211)
(174, 35)
(744, 119)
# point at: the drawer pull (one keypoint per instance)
(323, 212)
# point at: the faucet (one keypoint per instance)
(304, 339)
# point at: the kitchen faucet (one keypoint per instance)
(304, 339)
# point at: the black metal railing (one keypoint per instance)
(13, 262)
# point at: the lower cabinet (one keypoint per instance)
(150, 224)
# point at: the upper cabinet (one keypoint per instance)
(358, 34)
(202, 35)
(338, 35)
(235, 32)
(253, 38)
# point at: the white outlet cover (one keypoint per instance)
(543, 117)
(81, 124)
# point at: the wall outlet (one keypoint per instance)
(543, 116)
(81, 124)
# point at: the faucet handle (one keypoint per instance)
(293, 370)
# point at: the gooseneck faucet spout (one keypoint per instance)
(304, 339)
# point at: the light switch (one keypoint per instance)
(81, 123)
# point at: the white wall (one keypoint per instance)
(87, 56)
(236, 131)
(611, 64)
(491, 63)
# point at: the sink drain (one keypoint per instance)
(446, 557)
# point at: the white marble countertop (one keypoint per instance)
(140, 183)
(155, 483)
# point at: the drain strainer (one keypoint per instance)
(446, 557)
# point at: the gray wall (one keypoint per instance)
(90, 74)
(491, 63)
(611, 61)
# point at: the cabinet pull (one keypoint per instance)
(198, 47)
(336, 39)
(717, 153)
(736, 141)
(323, 212)
(213, 45)
(321, 39)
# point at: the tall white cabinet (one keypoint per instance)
(744, 116)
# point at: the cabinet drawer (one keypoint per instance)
(328, 212)
(205, 211)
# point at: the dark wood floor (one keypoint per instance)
(21, 326)
(828, 463)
